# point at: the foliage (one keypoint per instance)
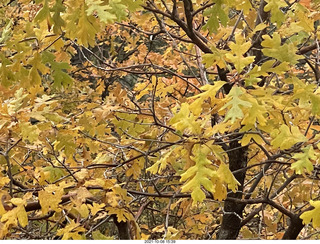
(148, 119)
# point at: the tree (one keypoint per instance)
(149, 119)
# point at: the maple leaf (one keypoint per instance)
(18, 213)
(303, 162)
(95, 208)
(313, 215)
(49, 198)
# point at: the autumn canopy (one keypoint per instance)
(154, 119)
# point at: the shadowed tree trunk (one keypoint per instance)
(232, 217)
(123, 229)
(294, 228)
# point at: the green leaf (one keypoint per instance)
(43, 13)
(58, 22)
(97, 235)
(108, 13)
(55, 173)
(274, 6)
(215, 13)
(61, 78)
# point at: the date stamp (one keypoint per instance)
(160, 241)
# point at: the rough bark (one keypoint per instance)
(232, 217)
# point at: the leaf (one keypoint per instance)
(285, 53)
(43, 13)
(315, 100)
(121, 213)
(71, 231)
(235, 112)
(215, 13)
(95, 208)
(58, 22)
(109, 13)
(198, 175)
(160, 165)
(285, 139)
(55, 173)
(217, 57)
(274, 7)
(66, 143)
(210, 92)
(6, 32)
(18, 213)
(61, 78)
(225, 174)
(103, 11)
(184, 120)
(238, 49)
(97, 235)
(49, 198)
(313, 215)
(303, 162)
(29, 132)
(257, 114)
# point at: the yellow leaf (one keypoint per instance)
(313, 215)
(225, 175)
(50, 198)
(95, 208)
(284, 138)
(83, 210)
(71, 231)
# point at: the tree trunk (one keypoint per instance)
(123, 229)
(232, 217)
(294, 228)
